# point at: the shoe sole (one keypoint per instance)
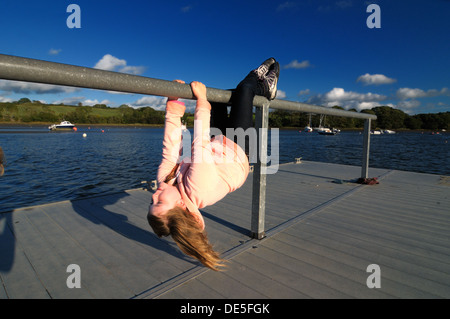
(274, 94)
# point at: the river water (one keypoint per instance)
(43, 166)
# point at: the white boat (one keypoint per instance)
(64, 125)
(308, 128)
(389, 132)
(376, 132)
(325, 130)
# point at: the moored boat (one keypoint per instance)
(64, 125)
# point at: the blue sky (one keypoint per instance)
(329, 56)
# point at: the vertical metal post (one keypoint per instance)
(366, 147)
(259, 173)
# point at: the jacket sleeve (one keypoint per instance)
(202, 177)
(172, 138)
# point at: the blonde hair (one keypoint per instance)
(188, 236)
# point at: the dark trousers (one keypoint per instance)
(241, 114)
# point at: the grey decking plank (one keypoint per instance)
(395, 216)
(319, 268)
(274, 271)
(126, 206)
(130, 236)
(102, 262)
(358, 263)
(172, 294)
(394, 283)
(50, 267)
(7, 242)
(390, 238)
(23, 282)
(196, 290)
(228, 285)
(63, 234)
(398, 279)
(437, 236)
(18, 278)
(127, 261)
(375, 245)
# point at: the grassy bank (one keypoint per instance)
(25, 111)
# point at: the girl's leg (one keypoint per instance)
(219, 116)
(241, 114)
(261, 81)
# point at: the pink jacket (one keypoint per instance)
(215, 168)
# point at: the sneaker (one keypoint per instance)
(271, 80)
(262, 70)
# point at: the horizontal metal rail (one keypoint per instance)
(31, 70)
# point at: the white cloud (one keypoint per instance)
(186, 9)
(406, 99)
(54, 51)
(74, 100)
(304, 92)
(93, 102)
(375, 79)
(339, 94)
(281, 94)
(348, 99)
(38, 88)
(286, 6)
(156, 102)
(298, 65)
(344, 4)
(407, 105)
(111, 63)
(133, 69)
(5, 99)
(408, 93)
(159, 103)
(190, 105)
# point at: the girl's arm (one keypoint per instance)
(172, 137)
(202, 177)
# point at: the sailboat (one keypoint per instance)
(308, 129)
(325, 130)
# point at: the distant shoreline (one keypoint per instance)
(109, 125)
(99, 125)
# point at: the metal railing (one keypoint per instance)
(32, 70)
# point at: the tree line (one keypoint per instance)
(26, 111)
(387, 118)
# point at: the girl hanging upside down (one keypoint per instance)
(216, 167)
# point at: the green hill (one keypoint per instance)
(26, 111)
